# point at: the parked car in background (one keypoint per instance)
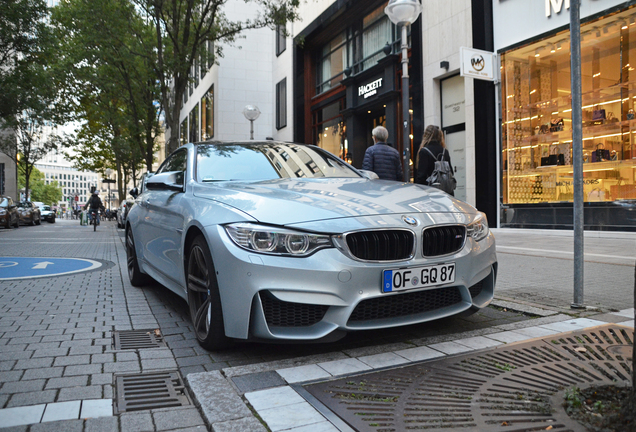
(29, 213)
(9, 216)
(46, 213)
(281, 241)
(122, 212)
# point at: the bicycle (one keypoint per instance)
(94, 219)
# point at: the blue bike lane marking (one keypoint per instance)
(25, 268)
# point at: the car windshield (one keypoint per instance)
(222, 162)
(23, 204)
(45, 207)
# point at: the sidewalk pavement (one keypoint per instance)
(69, 386)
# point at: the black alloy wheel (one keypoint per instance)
(39, 221)
(17, 222)
(33, 219)
(137, 278)
(204, 298)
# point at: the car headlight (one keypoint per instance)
(2, 212)
(276, 241)
(478, 228)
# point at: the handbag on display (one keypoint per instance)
(598, 116)
(554, 158)
(542, 129)
(596, 194)
(611, 118)
(630, 114)
(613, 155)
(600, 154)
(556, 125)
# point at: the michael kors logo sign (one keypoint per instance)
(557, 5)
(477, 62)
(370, 89)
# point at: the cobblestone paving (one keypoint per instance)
(56, 333)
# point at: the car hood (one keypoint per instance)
(294, 201)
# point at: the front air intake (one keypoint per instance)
(280, 313)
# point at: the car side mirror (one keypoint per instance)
(134, 192)
(172, 180)
(370, 175)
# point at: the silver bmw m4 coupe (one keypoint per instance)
(280, 241)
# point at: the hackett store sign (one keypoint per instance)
(370, 89)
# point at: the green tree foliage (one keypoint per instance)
(189, 33)
(27, 94)
(31, 139)
(106, 58)
(24, 39)
(40, 191)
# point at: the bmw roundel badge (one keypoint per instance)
(410, 220)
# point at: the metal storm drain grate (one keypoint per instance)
(138, 339)
(149, 391)
(516, 387)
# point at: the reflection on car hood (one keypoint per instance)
(290, 201)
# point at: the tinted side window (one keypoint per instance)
(176, 162)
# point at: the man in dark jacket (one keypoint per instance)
(95, 204)
(381, 158)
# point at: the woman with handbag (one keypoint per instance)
(432, 149)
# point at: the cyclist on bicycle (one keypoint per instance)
(95, 204)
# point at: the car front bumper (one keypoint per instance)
(286, 298)
(48, 217)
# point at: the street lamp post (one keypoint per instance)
(251, 112)
(404, 13)
(108, 173)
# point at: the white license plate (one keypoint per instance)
(418, 277)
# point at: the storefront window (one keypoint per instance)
(377, 32)
(183, 132)
(194, 123)
(329, 130)
(537, 120)
(207, 115)
(333, 61)
(357, 48)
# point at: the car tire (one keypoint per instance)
(17, 223)
(204, 299)
(52, 220)
(39, 221)
(32, 221)
(137, 278)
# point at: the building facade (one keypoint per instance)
(533, 42)
(76, 185)
(337, 74)
(342, 74)
(213, 105)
